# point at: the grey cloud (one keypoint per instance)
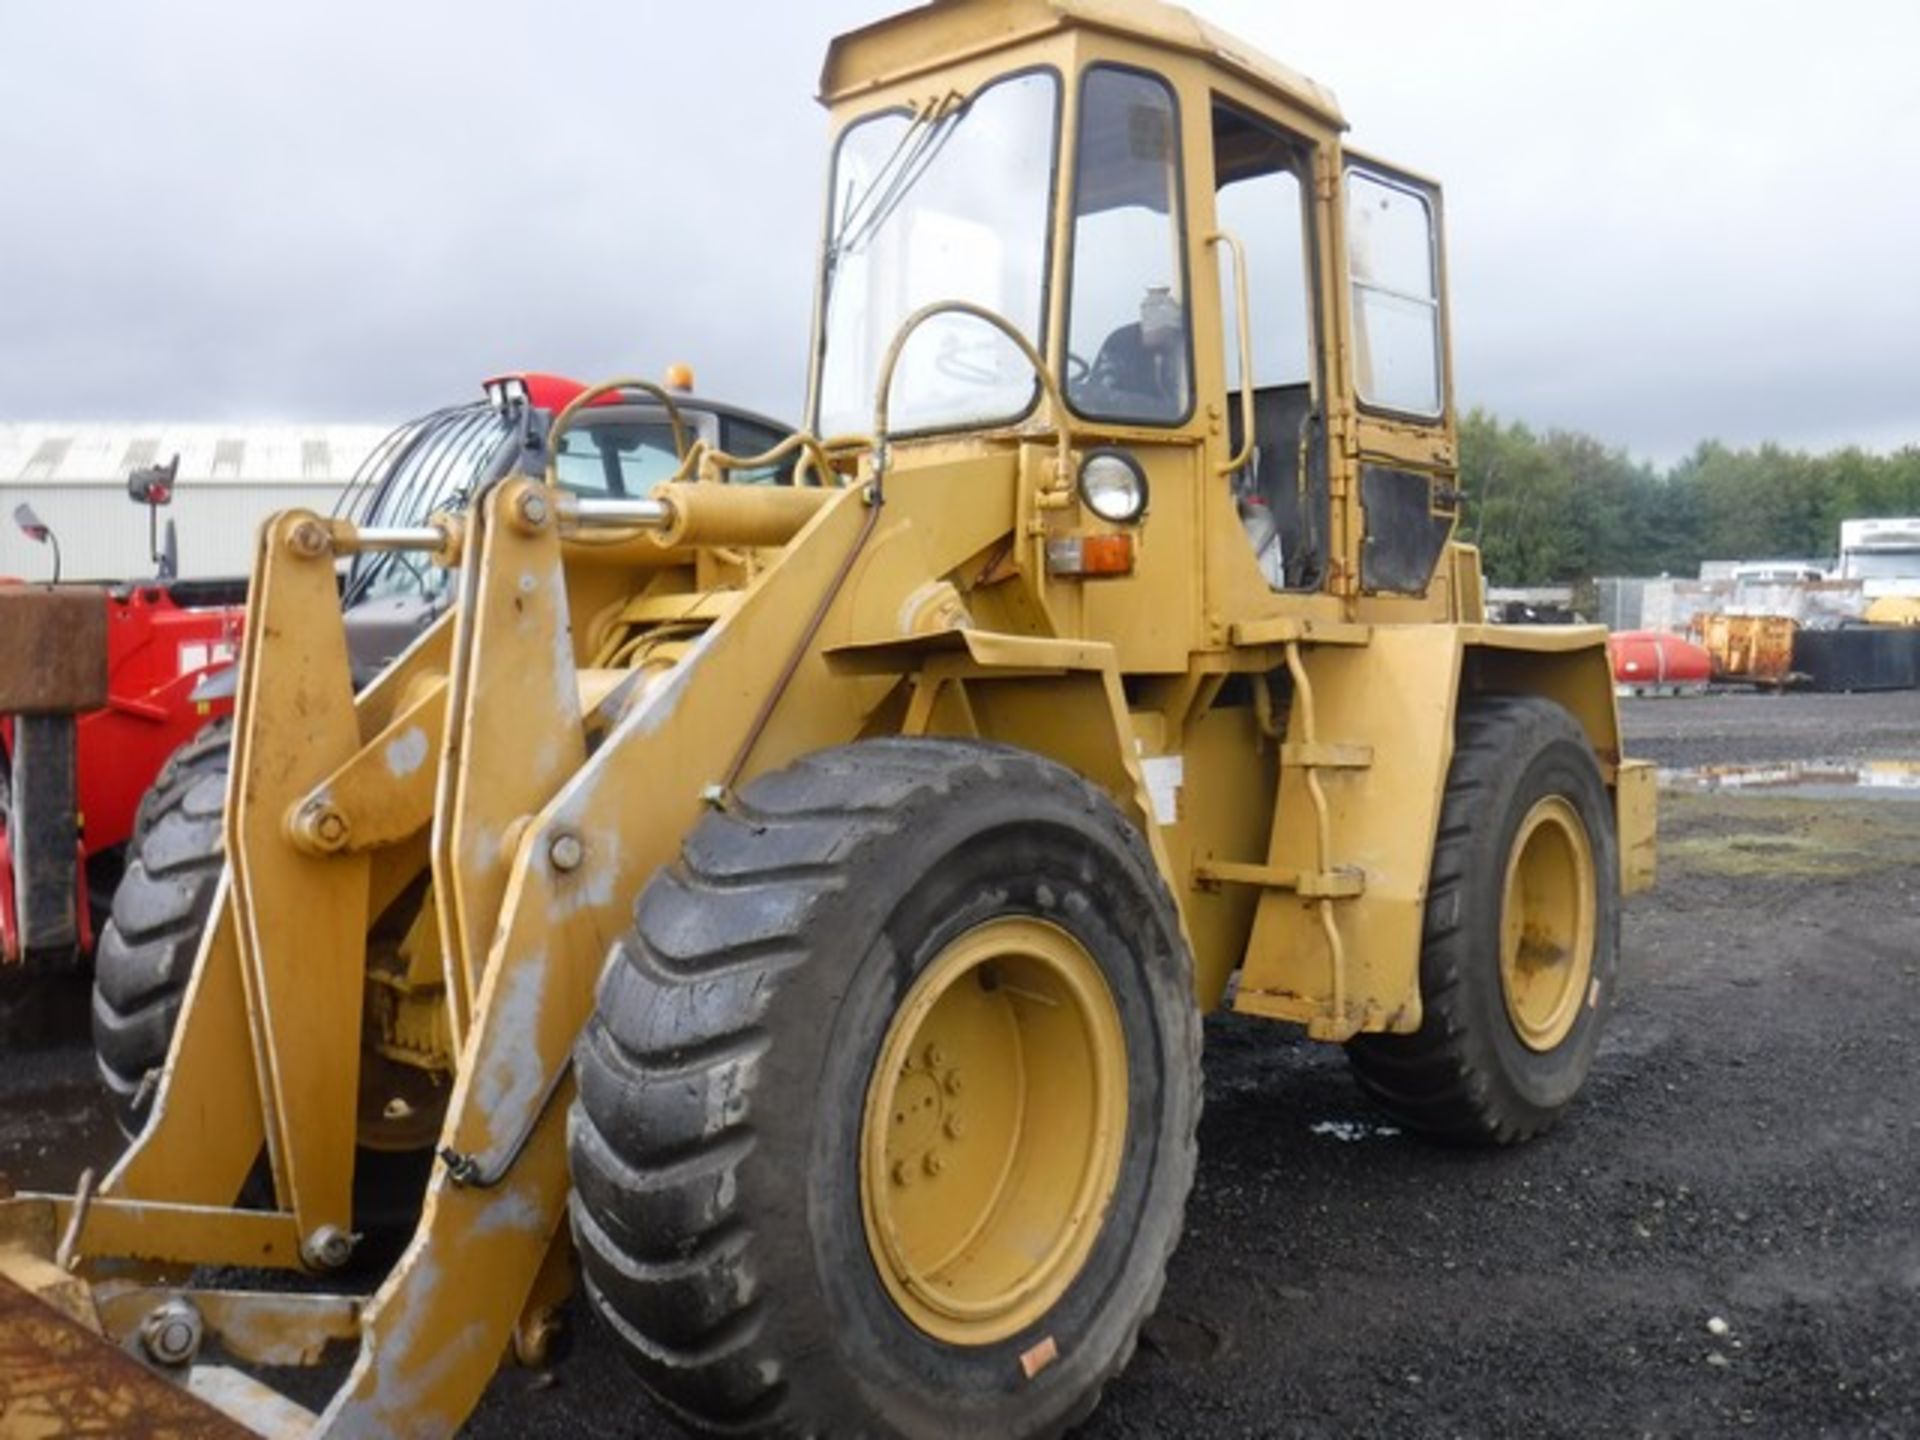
(1665, 222)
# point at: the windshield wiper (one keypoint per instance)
(919, 146)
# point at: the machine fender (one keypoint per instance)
(1570, 666)
(1058, 698)
(1567, 664)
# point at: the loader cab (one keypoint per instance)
(1247, 314)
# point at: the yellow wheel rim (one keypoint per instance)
(1547, 924)
(993, 1131)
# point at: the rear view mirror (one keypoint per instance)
(31, 525)
(153, 485)
(36, 529)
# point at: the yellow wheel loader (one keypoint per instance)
(787, 912)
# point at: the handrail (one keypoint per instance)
(1243, 314)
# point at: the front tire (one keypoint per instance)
(1522, 934)
(145, 960)
(886, 1112)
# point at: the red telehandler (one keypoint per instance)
(110, 750)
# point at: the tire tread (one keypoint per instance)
(679, 1033)
(147, 949)
(1430, 1079)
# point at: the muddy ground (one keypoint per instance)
(1723, 1237)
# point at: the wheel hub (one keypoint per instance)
(993, 1130)
(1547, 924)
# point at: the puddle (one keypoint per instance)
(1811, 779)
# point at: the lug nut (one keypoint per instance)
(565, 851)
(955, 1127)
(936, 1057)
(172, 1332)
(902, 1173)
(953, 1082)
(933, 1164)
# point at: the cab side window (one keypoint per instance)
(1129, 356)
(1393, 262)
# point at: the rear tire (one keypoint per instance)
(1511, 1016)
(146, 951)
(732, 1099)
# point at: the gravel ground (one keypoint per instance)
(1723, 1237)
(1740, 727)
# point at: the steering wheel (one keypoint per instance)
(956, 361)
(959, 359)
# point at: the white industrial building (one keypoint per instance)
(232, 477)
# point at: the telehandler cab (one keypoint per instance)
(799, 903)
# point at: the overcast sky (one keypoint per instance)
(1666, 221)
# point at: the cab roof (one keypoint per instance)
(942, 31)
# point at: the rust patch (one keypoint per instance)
(53, 650)
(59, 1379)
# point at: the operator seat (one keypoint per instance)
(1282, 520)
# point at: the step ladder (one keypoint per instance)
(1325, 884)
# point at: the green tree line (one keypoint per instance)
(1559, 506)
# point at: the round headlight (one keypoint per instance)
(1113, 486)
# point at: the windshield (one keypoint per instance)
(619, 460)
(949, 207)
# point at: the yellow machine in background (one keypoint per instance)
(1894, 610)
(813, 891)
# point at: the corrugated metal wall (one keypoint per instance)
(103, 535)
(231, 478)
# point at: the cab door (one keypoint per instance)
(1263, 184)
(1128, 352)
(1400, 440)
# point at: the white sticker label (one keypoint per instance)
(1165, 774)
(194, 656)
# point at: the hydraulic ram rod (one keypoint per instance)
(652, 514)
(428, 538)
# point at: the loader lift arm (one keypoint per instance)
(536, 871)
